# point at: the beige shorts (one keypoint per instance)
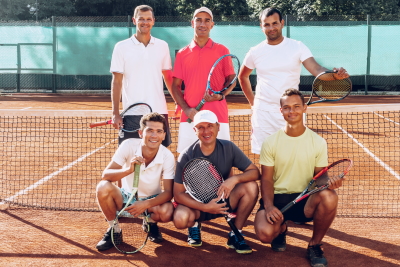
(187, 135)
(263, 124)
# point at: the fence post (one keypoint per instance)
(368, 70)
(129, 26)
(54, 75)
(18, 68)
(287, 26)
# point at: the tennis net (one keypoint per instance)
(53, 160)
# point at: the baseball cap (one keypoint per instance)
(203, 9)
(204, 116)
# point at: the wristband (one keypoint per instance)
(223, 97)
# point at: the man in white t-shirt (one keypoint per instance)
(278, 65)
(138, 66)
(156, 162)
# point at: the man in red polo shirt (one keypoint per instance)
(192, 65)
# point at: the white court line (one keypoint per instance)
(378, 160)
(48, 177)
(26, 108)
(385, 118)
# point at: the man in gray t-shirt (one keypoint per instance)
(240, 190)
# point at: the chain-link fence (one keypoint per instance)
(74, 53)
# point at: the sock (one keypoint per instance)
(117, 229)
(232, 233)
(151, 220)
(196, 224)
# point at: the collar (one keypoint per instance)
(158, 158)
(136, 41)
(193, 44)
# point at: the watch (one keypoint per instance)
(223, 97)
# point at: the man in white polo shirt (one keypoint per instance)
(156, 162)
(277, 61)
(138, 66)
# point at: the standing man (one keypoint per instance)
(192, 65)
(278, 64)
(138, 66)
(157, 164)
(240, 190)
(289, 159)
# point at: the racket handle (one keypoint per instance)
(199, 106)
(288, 206)
(234, 229)
(100, 123)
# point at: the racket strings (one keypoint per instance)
(133, 235)
(227, 66)
(335, 171)
(332, 89)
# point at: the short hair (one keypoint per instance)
(269, 12)
(143, 8)
(290, 92)
(153, 116)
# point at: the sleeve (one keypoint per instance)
(248, 60)
(321, 159)
(182, 160)
(169, 165)
(240, 160)
(166, 63)
(267, 157)
(178, 71)
(121, 155)
(117, 60)
(305, 52)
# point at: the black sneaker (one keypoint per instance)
(106, 242)
(316, 256)
(194, 237)
(240, 246)
(154, 233)
(279, 242)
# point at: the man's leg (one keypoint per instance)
(242, 199)
(265, 231)
(110, 200)
(322, 207)
(161, 213)
(185, 217)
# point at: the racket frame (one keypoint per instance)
(321, 99)
(228, 217)
(306, 193)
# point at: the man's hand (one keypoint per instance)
(190, 112)
(214, 208)
(117, 121)
(137, 208)
(335, 182)
(212, 97)
(273, 214)
(340, 73)
(226, 187)
(135, 160)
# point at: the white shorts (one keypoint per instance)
(187, 135)
(263, 124)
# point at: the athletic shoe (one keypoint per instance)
(279, 242)
(240, 246)
(154, 232)
(106, 242)
(194, 237)
(316, 256)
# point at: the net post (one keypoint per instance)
(287, 26)
(18, 68)
(367, 73)
(129, 26)
(54, 75)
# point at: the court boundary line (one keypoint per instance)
(372, 155)
(383, 117)
(48, 177)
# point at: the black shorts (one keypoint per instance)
(295, 213)
(205, 216)
(167, 141)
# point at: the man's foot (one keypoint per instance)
(154, 233)
(194, 238)
(279, 242)
(240, 246)
(106, 242)
(316, 256)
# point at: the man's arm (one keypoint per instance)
(167, 74)
(178, 97)
(272, 213)
(244, 80)
(114, 172)
(116, 91)
(314, 68)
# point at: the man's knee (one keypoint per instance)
(249, 189)
(104, 188)
(165, 212)
(180, 218)
(264, 231)
(329, 198)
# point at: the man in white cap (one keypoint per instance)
(239, 190)
(192, 66)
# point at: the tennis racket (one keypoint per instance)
(202, 179)
(134, 230)
(326, 88)
(222, 75)
(321, 180)
(134, 113)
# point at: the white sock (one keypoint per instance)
(232, 233)
(117, 228)
(196, 224)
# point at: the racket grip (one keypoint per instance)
(288, 206)
(100, 123)
(199, 106)
(234, 229)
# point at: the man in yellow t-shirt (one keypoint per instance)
(289, 159)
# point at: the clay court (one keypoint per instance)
(366, 232)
